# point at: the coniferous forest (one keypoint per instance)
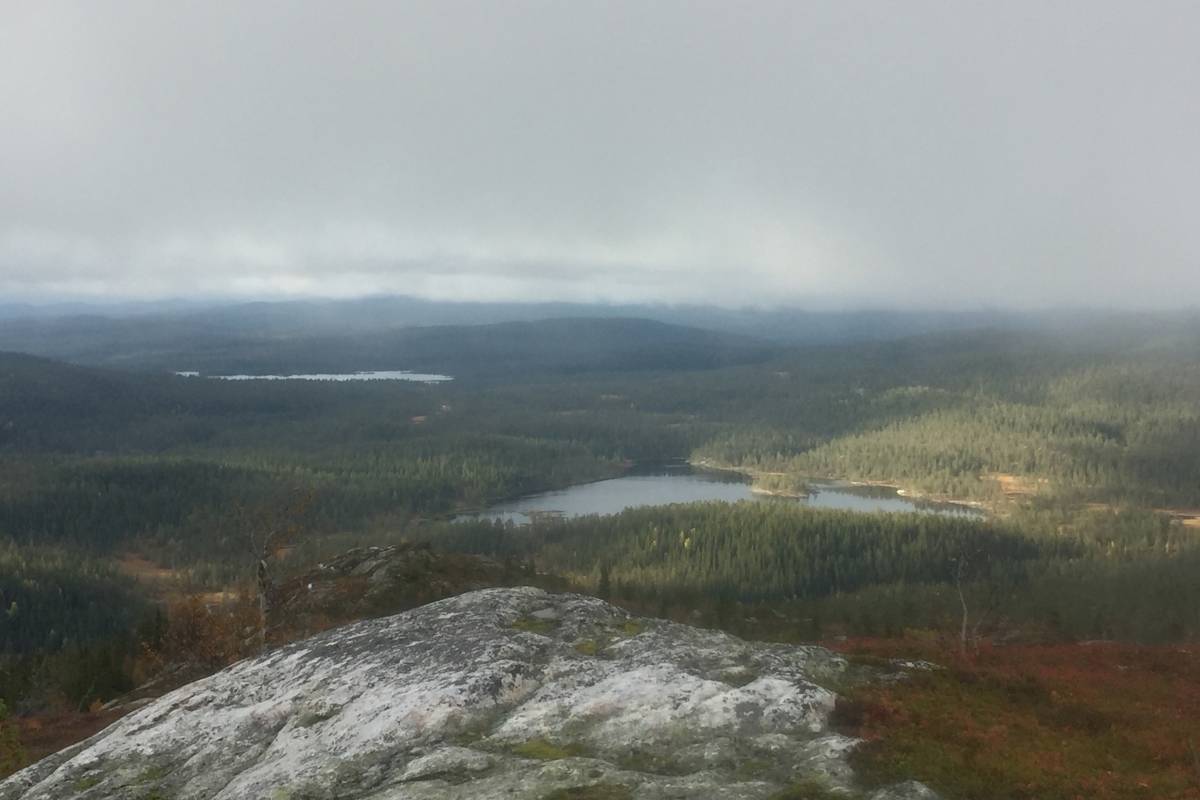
(1082, 445)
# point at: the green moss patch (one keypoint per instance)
(595, 791)
(738, 677)
(754, 766)
(631, 627)
(534, 625)
(309, 718)
(639, 761)
(805, 790)
(150, 774)
(543, 750)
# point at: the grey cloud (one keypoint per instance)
(1015, 154)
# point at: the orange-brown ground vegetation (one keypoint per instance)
(1189, 518)
(201, 637)
(210, 636)
(204, 632)
(1014, 486)
(140, 567)
(160, 582)
(50, 732)
(1095, 720)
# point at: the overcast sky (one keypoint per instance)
(822, 155)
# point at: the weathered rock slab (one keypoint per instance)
(498, 693)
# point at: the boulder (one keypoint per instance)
(510, 693)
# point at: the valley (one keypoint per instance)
(816, 510)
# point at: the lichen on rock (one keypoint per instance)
(487, 694)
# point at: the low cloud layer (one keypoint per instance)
(935, 154)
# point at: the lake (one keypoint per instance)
(346, 376)
(662, 485)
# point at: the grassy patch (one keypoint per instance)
(86, 783)
(595, 791)
(542, 750)
(587, 647)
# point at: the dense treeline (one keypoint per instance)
(1134, 581)
(759, 551)
(1091, 574)
(54, 596)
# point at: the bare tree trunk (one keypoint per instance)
(966, 614)
(268, 533)
(264, 587)
(979, 622)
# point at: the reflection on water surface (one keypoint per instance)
(680, 483)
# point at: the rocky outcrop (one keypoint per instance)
(374, 581)
(511, 693)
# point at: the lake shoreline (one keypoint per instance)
(682, 482)
(901, 491)
(705, 464)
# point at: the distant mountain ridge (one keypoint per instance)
(549, 346)
(128, 334)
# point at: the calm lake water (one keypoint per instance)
(348, 376)
(654, 486)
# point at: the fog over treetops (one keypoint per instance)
(839, 155)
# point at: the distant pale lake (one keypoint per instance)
(663, 485)
(420, 377)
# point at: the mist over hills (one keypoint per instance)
(396, 332)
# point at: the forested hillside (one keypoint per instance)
(1113, 419)
(1071, 420)
(1038, 427)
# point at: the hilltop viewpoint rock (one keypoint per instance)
(506, 693)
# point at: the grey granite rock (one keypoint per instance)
(909, 790)
(511, 693)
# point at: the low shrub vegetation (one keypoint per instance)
(1099, 720)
